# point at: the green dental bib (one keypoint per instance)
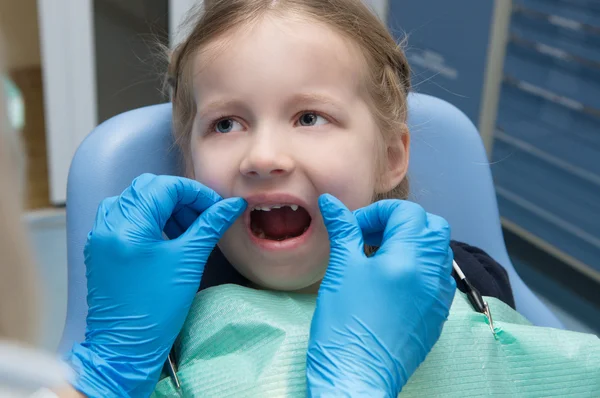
(242, 342)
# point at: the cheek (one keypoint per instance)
(353, 187)
(347, 171)
(212, 168)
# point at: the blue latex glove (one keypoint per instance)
(141, 286)
(378, 317)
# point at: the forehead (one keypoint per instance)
(278, 54)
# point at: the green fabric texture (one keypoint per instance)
(240, 342)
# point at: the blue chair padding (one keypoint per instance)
(449, 171)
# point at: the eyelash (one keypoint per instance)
(328, 118)
(211, 128)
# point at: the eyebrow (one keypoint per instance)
(294, 101)
(305, 98)
(204, 110)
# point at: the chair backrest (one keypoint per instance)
(449, 172)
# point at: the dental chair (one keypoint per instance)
(449, 172)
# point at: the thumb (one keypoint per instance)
(342, 227)
(214, 221)
(373, 220)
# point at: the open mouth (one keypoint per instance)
(279, 222)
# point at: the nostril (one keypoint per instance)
(264, 170)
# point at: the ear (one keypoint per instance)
(396, 162)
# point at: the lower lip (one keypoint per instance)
(280, 245)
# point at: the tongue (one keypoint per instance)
(281, 223)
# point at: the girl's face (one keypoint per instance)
(282, 118)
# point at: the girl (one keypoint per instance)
(281, 101)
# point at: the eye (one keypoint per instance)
(311, 119)
(227, 126)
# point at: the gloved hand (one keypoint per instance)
(141, 286)
(378, 317)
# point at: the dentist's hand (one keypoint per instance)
(141, 286)
(378, 317)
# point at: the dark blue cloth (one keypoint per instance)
(484, 273)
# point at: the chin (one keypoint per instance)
(290, 274)
(288, 277)
(292, 286)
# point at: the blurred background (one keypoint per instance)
(527, 73)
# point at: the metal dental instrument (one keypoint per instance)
(170, 364)
(475, 297)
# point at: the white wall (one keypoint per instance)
(48, 236)
(68, 66)
(177, 11)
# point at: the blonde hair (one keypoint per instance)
(388, 80)
(17, 274)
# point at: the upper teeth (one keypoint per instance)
(269, 207)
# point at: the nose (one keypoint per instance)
(266, 157)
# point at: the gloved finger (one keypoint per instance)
(447, 287)
(213, 222)
(188, 194)
(160, 196)
(370, 221)
(179, 222)
(173, 229)
(345, 239)
(407, 222)
(104, 208)
(142, 180)
(439, 231)
(449, 260)
(373, 239)
(342, 226)
(388, 221)
(439, 225)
